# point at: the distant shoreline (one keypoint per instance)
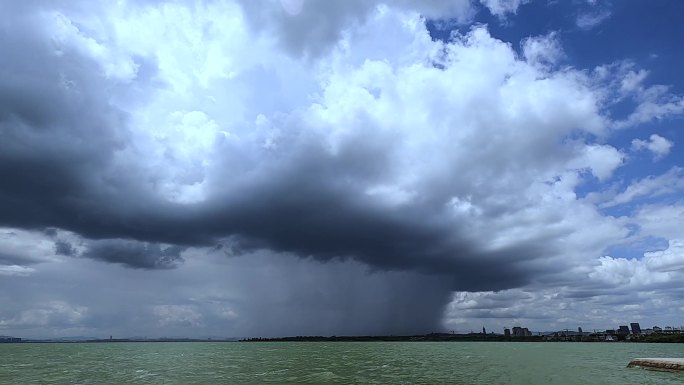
(470, 337)
(118, 340)
(432, 337)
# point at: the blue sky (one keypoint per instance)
(289, 167)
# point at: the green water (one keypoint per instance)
(334, 363)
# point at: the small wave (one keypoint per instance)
(272, 372)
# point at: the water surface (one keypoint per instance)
(335, 363)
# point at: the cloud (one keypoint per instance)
(502, 8)
(182, 315)
(623, 82)
(652, 186)
(592, 19)
(670, 259)
(543, 50)
(652, 102)
(660, 219)
(650, 110)
(141, 255)
(331, 142)
(64, 248)
(307, 182)
(607, 293)
(53, 313)
(310, 28)
(656, 144)
(593, 14)
(633, 81)
(15, 270)
(24, 248)
(601, 160)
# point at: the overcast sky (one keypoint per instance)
(284, 167)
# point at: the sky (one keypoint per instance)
(242, 168)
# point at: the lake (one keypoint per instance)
(334, 363)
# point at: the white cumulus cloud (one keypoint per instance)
(656, 144)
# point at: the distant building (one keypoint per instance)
(623, 330)
(484, 331)
(507, 332)
(579, 330)
(636, 328)
(6, 340)
(521, 332)
(657, 329)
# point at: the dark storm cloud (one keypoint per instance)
(50, 232)
(306, 213)
(64, 248)
(361, 188)
(502, 314)
(58, 131)
(135, 254)
(62, 138)
(59, 134)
